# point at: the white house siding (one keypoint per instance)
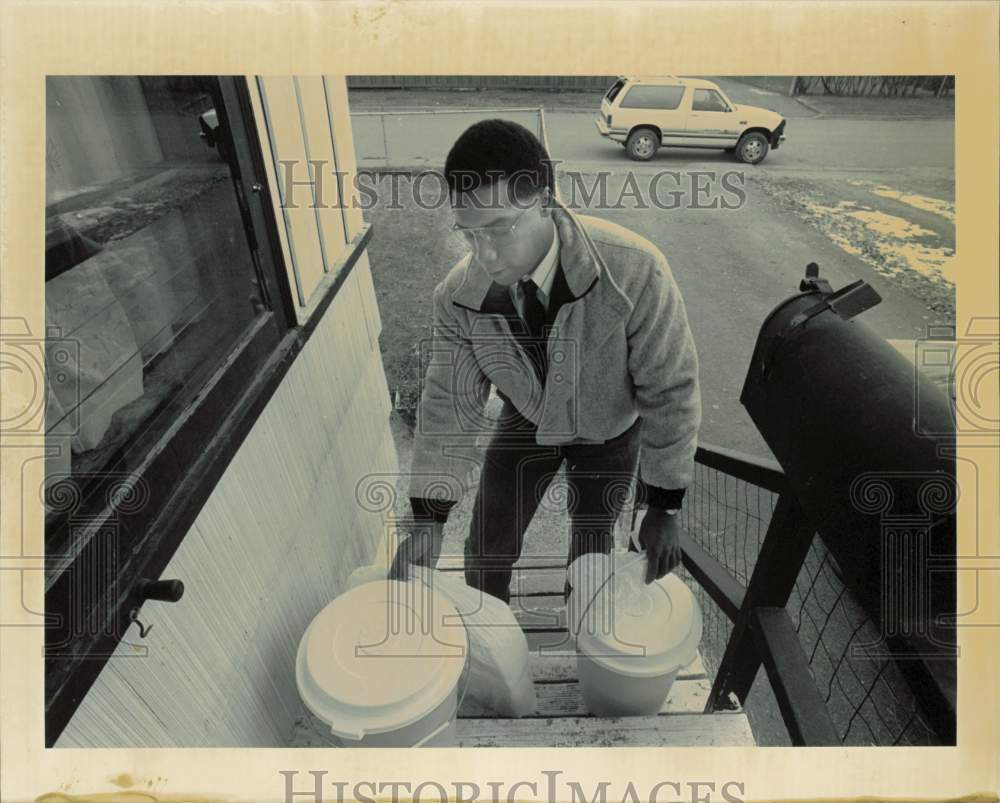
(273, 544)
(280, 532)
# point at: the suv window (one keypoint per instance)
(708, 100)
(616, 87)
(653, 97)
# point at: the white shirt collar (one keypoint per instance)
(544, 275)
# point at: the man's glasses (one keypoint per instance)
(489, 235)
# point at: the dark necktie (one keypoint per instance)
(534, 312)
(534, 317)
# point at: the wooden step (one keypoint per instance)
(555, 700)
(539, 612)
(565, 699)
(526, 563)
(552, 657)
(665, 730)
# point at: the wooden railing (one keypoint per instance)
(763, 633)
(759, 606)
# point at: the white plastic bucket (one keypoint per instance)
(436, 729)
(612, 693)
(381, 666)
(631, 638)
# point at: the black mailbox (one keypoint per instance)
(867, 444)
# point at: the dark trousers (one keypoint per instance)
(516, 474)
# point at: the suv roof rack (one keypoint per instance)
(650, 78)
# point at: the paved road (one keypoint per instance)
(824, 143)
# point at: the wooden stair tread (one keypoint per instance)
(548, 564)
(664, 730)
(540, 612)
(565, 699)
(556, 701)
(552, 657)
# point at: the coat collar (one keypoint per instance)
(581, 267)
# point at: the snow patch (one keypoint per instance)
(888, 236)
(933, 205)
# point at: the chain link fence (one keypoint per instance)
(869, 700)
(554, 83)
(421, 139)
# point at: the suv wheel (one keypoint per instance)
(642, 144)
(752, 148)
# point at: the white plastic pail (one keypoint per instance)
(381, 664)
(631, 638)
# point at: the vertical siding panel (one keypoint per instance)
(308, 432)
(340, 122)
(321, 147)
(366, 291)
(111, 726)
(370, 417)
(281, 108)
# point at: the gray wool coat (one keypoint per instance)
(619, 348)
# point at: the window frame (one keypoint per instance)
(120, 545)
(614, 90)
(623, 102)
(694, 99)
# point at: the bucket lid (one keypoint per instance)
(380, 657)
(629, 626)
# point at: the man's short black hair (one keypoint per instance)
(499, 149)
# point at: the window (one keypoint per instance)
(653, 97)
(165, 313)
(616, 87)
(149, 276)
(708, 100)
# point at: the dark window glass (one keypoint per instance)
(708, 100)
(149, 277)
(616, 87)
(653, 97)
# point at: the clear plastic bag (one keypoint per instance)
(498, 676)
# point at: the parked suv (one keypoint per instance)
(644, 113)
